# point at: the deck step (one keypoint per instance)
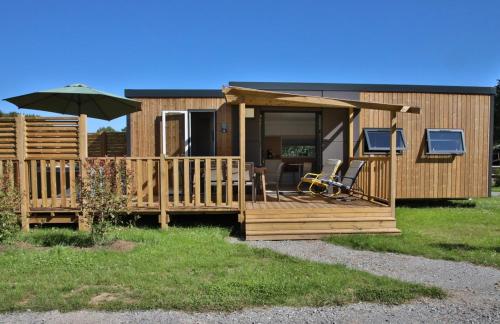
(293, 235)
(313, 223)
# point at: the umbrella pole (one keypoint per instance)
(83, 221)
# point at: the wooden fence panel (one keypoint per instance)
(52, 137)
(7, 138)
(107, 144)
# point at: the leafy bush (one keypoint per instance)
(9, 203)
(497, 177)
(103, 196)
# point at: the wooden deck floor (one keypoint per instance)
(294, 200)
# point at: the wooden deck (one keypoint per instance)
(311, 217)
(46, 158)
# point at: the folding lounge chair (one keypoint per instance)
(317, 183)
(348, 180)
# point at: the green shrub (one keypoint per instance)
(497, 177)
(9, 203)
(102, 196)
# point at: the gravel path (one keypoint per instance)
(474, 294)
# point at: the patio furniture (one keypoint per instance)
(273, 176)
(314, 181)
(77, 99)
(307, 167)
(249, 177)
(261, 172)
(299, 169)
(348, 180)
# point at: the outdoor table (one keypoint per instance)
(261, 171)
(300, 168)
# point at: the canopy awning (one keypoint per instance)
(236, 95)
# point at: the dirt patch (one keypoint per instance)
(107, 297)
(122, 246)
(26, 299)
(103, 298)
(28, 246)
(76, 291)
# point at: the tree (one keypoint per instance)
(496, 122)
(107, 129)
(14, 114)
(11, 114)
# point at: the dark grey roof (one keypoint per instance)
(296, 86)
(173, 93)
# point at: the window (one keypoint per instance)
(445, 141)
(378, 140)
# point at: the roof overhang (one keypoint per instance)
(236, 95)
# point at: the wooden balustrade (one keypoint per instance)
(200, 182)
(175, 183)
(52, 183)
(373, 180)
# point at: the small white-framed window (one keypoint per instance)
(378, 140)
(445, 141)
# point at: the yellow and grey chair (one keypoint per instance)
(348, 180)
(316, 183)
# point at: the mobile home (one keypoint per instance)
(445, 150)
(212, 151)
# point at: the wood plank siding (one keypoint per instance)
(145, 126)
(437, 176)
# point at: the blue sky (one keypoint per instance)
(114, 45)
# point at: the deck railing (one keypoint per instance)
(52, 183)
(200, 182)
(373, 181)
(170, 183)
(182, 182)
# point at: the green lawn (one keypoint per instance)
(461, 231)
(192, 269)
(495, 189)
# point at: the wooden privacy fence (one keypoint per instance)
(374, 178)
(7, 138)
(107, 144)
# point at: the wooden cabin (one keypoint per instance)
(421, 174)
(203, 151)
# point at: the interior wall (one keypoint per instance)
(335, 135)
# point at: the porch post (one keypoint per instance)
(241, 182)
(393, 164)
(164, 218)
(21, 160)
(351, 133)
(82, 136)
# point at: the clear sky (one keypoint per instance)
(115, 45)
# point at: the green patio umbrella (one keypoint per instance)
(77, 99)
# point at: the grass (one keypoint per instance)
(453, 230)
(495, 189)
(193, 269)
